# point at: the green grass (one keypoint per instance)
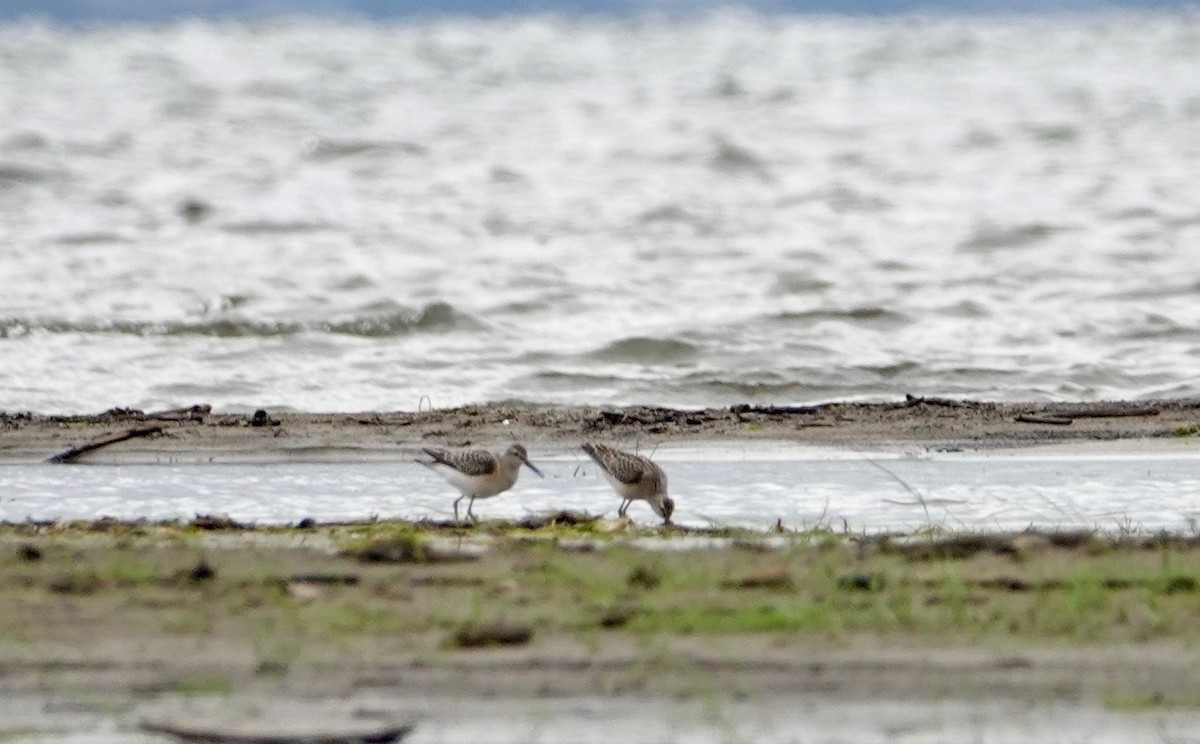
(205, 685)
(1081, 590)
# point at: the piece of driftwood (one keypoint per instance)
(187, 413)
(279, 732)
(741, 408)
(1036, 418)
(75, 453)
(491, 633)
(1107, 412)
(327, 579)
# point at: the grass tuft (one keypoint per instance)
(644, 577)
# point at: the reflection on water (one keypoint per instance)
(856, 493)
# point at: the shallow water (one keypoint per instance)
(354, 216)
(810, 489)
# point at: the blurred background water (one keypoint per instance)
(347, 215)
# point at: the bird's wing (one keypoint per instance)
(622, 466)
(467, 462)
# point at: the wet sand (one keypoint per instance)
(930, 423)
(122, 620)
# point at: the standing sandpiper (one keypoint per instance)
(477, 473)
(633, 477)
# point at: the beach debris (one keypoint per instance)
(484, 633)
(327, 579)
(202, 571)
(564, 517)
(262, 418)
(1107, 411)
(1035, 418)
(216, 522)
(740, 409)
(74, 453)
(649, 416)
(1060, 416)
(275, 730)
(187, 413)
(919, 400)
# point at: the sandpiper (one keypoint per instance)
(477, 473)
(633, 477)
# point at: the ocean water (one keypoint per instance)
(329, 215)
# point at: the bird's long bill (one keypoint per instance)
(533, 467)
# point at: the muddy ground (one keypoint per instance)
(561, 609)
(198, 435)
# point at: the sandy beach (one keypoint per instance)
(198, 435)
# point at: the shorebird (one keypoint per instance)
(633, 477)
(477, 473)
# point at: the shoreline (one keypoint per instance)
(195, 434)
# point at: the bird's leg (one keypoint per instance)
(623, 507)
(469, 505)
(460, 498)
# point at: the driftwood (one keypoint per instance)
(75, 453)
(1034, 418)
(327, 579)
(279, 732)
(741, 408)
(187, 413)
(491, 633)
(1107, 412)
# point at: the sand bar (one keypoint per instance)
(929, 423)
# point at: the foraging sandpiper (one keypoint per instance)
(477, 473)
(633, 477)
